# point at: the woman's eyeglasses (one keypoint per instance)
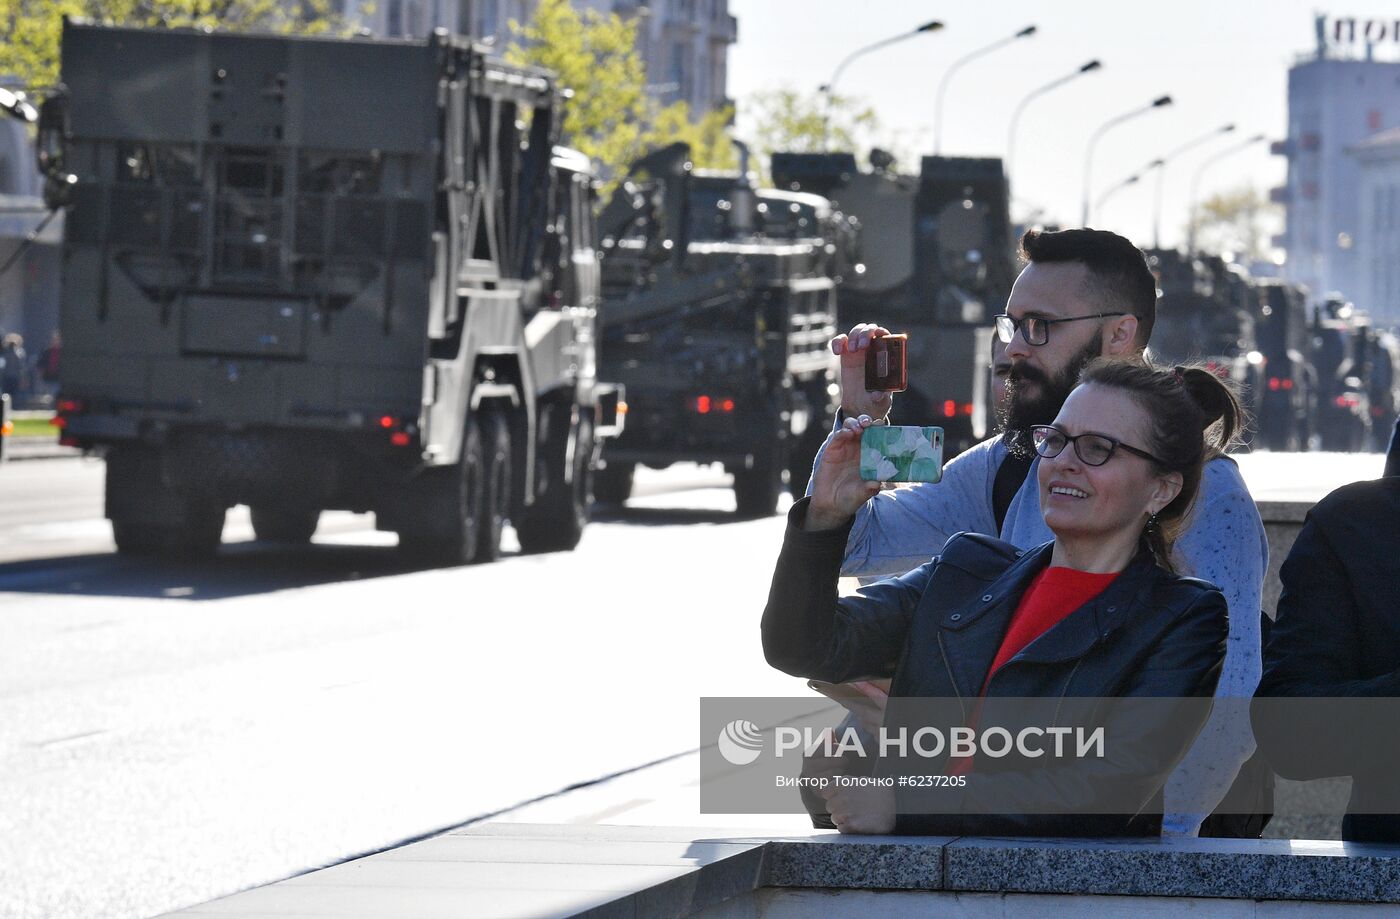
(1036, 329)
(1093, 449)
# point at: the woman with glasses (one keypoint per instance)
(1098, 613)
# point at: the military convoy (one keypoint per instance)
(311, 273)
(719, 303)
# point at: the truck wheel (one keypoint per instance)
(613, 483)
(449, 502)
(284, 525)
(150, 518)
(495, 506)
(757, 489)
(556, 520)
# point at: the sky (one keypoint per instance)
(1222, 61)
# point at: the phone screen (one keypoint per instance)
(900, 453)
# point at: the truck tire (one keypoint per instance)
(495, 507)
(151, 519)
(293, 526)
(757, 489)
(555, 522)
(613, 483)
(450, 502)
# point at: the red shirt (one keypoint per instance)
(1053, 595)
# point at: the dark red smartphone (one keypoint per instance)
(886, 364)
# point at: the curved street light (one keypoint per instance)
(1090, 67)
(827, 88)
(1114, 189)
(1027, 32)
(1196, 182)
(1160, 164)
(1159, 102)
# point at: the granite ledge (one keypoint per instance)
(1319, 871)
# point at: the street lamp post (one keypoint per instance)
(1159, 102)
(1027, 32)
(1160, 164)
(829, 87)
(1114, 189)
(1090, 67)
(1196, 182)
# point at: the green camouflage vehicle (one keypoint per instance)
(310, 273)
(719, 302)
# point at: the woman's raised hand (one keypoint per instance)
(838, 491)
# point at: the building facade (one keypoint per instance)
(684, 43)
(1338, 97)
(1378, 244)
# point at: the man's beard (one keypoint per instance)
(1024, 407)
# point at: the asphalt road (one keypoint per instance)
(169, 734)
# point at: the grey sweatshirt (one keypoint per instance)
(899, 530)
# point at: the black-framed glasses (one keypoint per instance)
(1093, 449)
(1036, 329)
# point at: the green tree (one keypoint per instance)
(787, 120)
(29, 53)
(611, 118)
(1238, 222)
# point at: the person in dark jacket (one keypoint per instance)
(1336, 639)
(1097, 613)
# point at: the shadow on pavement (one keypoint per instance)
(239, 569)
(663, 516)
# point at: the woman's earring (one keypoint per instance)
(1152, 522)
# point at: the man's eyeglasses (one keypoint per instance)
(1036, 329)
(1093, 449)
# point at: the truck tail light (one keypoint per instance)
(950, 409)
(705, 404)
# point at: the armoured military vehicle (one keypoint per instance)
(310, 273)
(1342, 356)
(719, 303)
(1205, 314)
(1288, 393)
(938, 264)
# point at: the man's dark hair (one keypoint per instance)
(1117, 269)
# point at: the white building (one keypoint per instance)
(1378, 243)
(685, 43)
(1337, 97)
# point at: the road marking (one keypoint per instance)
(70, 739)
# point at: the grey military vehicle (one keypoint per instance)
(938, 264)
(719, 303)
(310, 273)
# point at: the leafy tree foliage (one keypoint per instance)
(32, 28)
(1239, 222)
(787, 120)
(611, 117)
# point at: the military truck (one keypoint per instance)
(937, 260)
(1341, 355)
(1289, 392)
(719, 303)
(310, 273)
(1205, 315)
